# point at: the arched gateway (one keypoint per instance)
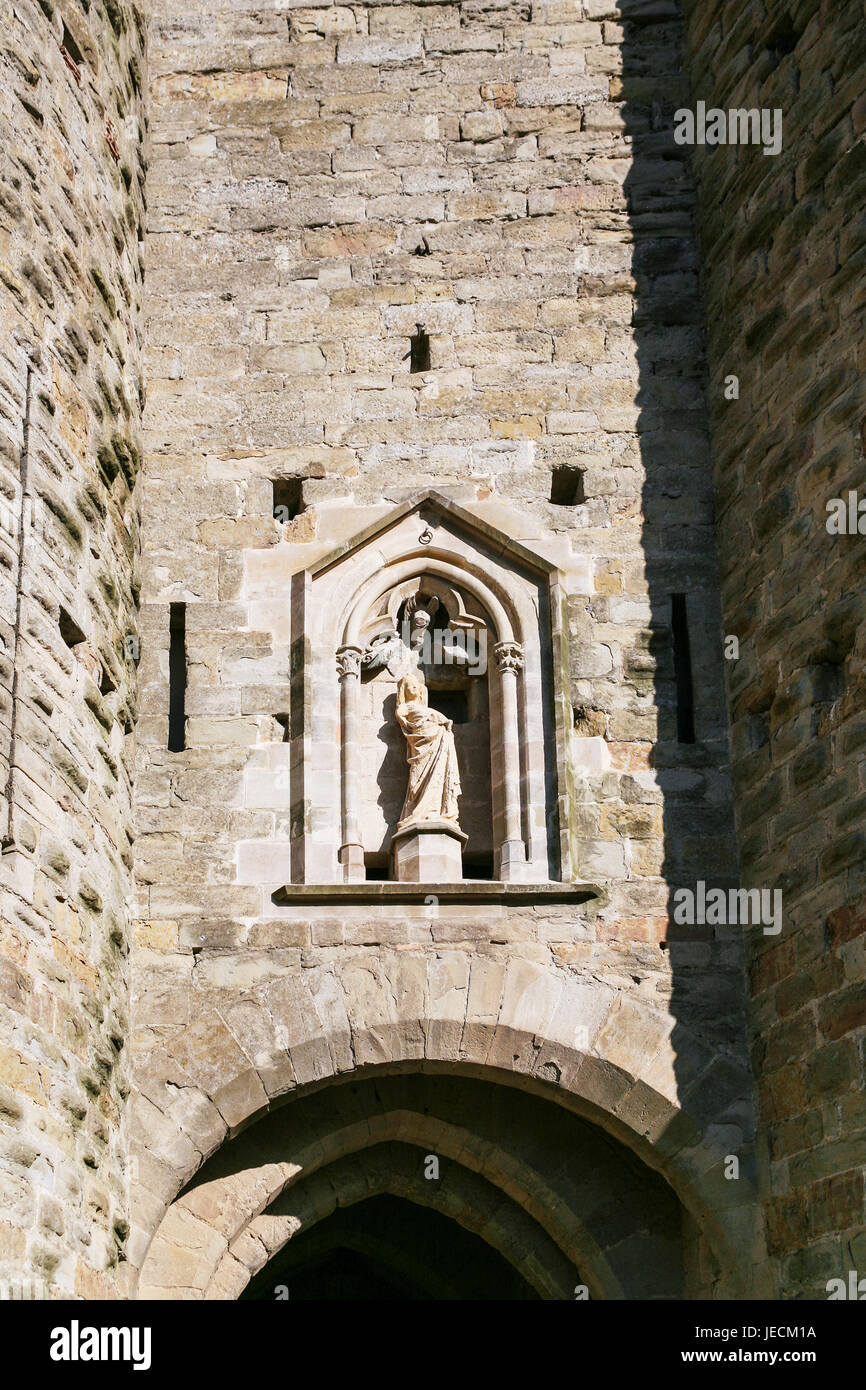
(570, 1164)
(434, 1061)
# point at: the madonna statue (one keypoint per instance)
(434, 781)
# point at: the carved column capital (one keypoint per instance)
(348, 662)
(509, 656)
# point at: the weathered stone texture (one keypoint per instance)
(325, 179)
(71, 217)
(321, 185)
(783, 244)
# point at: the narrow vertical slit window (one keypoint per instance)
(177, 679)
(683, 670)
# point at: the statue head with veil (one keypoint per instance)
(434, 781)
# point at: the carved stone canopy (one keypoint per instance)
(421, 624)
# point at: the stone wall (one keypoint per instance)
(325, 180)
(322, 181)
(71, 216)
(783, 250)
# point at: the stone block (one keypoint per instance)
(428, 853)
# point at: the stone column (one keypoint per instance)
(351, 854)
(512, 851)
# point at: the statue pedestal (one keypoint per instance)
(428, 852)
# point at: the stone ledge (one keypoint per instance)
(478, 891)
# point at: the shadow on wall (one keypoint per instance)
(679, 664)
(783, 239)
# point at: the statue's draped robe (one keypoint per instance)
(434, 781)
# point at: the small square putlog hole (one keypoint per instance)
(288, 498)
(566, 486)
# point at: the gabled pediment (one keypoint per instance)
(435, 509)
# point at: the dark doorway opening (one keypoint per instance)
(388, 1248)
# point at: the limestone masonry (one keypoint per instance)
(71, 394)
(417, 616)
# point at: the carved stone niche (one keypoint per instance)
(431, 590)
